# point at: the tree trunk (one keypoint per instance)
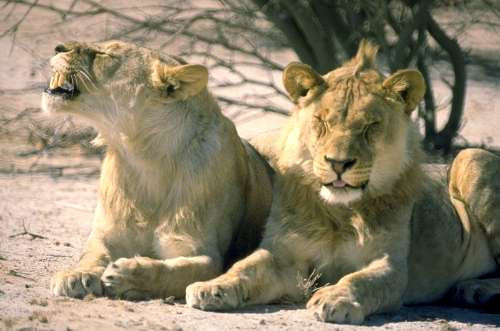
(443, 139)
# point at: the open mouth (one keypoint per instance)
(63, 87)
(340, 184)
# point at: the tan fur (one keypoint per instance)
(352, 202)
(180, 195)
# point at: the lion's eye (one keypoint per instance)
(370, 130)
(104, 66)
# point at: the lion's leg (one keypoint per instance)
(378, 287)
(475, 181)
(140, 278)
(476, 292)
(258, 278)
(85, 277)
(105, 244)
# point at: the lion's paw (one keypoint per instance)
(128, 278)
(215, 295)
(329, 306)
(77, 283)
(475, 292)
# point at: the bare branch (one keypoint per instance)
(26, 232)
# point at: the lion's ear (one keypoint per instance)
(299, 79)
(180, 81)
(409, 84)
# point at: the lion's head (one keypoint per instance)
(118, 86)
(351, 130)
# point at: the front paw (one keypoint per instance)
(216, 295)
(77, 283)
(129, 278)
(336, 305)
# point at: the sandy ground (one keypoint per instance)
(46, 204)
(59, 210)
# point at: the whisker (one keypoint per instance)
(87, 76)
(359, 173)
(72, 80)
(363, 169)
(85, 72)
(84, 82)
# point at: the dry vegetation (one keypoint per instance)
(246, 44)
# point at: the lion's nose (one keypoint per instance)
(340, 166)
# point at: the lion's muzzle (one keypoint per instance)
(62, 85)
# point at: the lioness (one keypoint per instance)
(353, 203)
(180, 195)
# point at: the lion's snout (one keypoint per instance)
(340, 166)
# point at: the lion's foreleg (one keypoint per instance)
(376, 288)
(144, 278)
(85, 277)
(259, 278)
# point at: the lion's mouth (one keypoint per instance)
(63, 86)
(340, 184)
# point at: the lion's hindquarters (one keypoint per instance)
(475, 180)
(474, 188)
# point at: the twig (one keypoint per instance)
(264, 108)
(26, 232)
(75, 206)
(17, 274)
(58, 255)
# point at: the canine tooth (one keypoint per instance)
(53, 82)
(61, 79)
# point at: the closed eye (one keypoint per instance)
(369, 130)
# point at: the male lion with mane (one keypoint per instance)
(353, 203)
(180, 195)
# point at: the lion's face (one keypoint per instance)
(113, 82)
(357, 125)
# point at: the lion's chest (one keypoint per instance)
(339, 259)
(174, 232)
(338, 252)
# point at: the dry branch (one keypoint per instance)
(26, 232)
(240, 37)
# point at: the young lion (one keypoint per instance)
(353, 203)
(181, 196)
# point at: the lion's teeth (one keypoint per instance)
(68, 86)
(56, 80)
(60, 80)
(53, 82)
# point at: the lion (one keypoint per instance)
(181, 196)
(353, 204)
